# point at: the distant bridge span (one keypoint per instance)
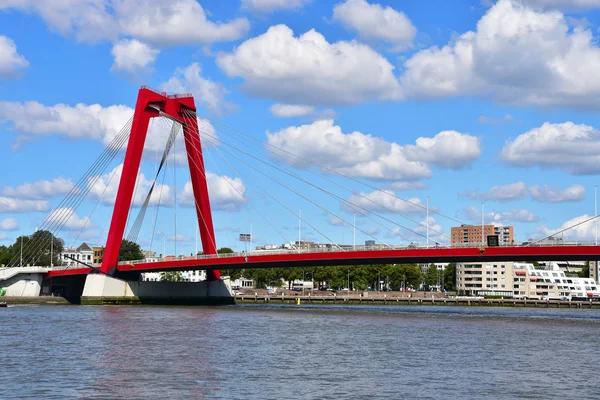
(354, 257)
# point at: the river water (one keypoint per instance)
(298, 352)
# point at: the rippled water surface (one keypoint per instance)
(291, 352)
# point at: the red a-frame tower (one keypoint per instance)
(151, 104)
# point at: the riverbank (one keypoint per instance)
(406, 301)
(41, 300)
(339, 300)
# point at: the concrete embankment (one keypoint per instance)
(54, 300)
(404, 301)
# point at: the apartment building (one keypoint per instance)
(471, 234)
(524, 280)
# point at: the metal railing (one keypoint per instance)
(335, 249)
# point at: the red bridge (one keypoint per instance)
(181, 108)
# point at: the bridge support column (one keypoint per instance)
(104, 289)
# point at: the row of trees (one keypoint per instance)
(38, 249)
(43, 248)
(354, 277)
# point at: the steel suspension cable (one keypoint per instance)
(441, 233)
(316, 187)
(290, 189)
(56, 220)
(238, 132)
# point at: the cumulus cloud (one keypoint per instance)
(132, 56)
(291, 110)
(496, 121)
(563, 4)
(40, 189)
(336, 221)
(501, 217)
(520, 190)
(513, 191)
(11, 204)
(180, 21)
(309, 70)
(226, 193)
(411, 185)
(585, 231)
(489, 61)
(9, 224)
(268, 6)
(554, 194)
(567, 146)
(325, 144)
(68, 219)
(11, 62)
(105, 188)
(375, 22)
(384, 201)
(208, 93)
(32, 118)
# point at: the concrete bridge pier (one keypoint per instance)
(104, 289)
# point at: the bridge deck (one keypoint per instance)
(398, 256)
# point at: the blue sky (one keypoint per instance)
(463, 102)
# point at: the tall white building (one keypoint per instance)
(522, 280)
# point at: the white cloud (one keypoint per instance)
(372, 21)
(411, 185)
(40, 189)
(309, 70)
(489, 61)
(9, 224)
(175, 22)
(585, 231)
(11, 204)
(513, 191)
(11, 62)
(3, 236)
(156, 22)
(336, 221)
(567, 146)
(519, 190)
(105, 187)
(325, 144)
(500, 217)
(180, 238)
(210, 94)
(563, 4)
(447, 149)
(89, 20)
(291, 110)
(268, 6)
(225, 193)
(496, 121)
(67, 218)
(132, 56)
(384, 201)
(553, 194)
(31, 119)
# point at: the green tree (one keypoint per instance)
(450, 277)
(37, 249)
(5, 255)
(233, 274)
(172, 276)
(585, 271)
(431, 275)
(130, 251)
